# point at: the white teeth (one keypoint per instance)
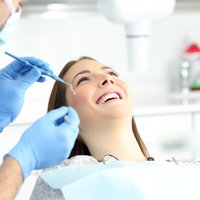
(108, 96)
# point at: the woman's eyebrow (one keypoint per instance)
(106, 67)
(88, 71)
(81, 72)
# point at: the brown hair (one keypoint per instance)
(57, 99)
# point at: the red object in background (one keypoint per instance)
(193, 48)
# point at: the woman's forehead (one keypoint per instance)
(87, 64)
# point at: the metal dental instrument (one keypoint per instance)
(44, 72)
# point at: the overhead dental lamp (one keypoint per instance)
(137, 16)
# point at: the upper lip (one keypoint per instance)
(108, 93)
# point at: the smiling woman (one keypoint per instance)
(101, 98)
(107, 128)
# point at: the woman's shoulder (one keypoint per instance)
(179, 161)
(75, 160)
(81, 159)
(183, 161)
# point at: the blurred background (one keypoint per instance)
(166, 93)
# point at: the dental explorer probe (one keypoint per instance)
(43, 72)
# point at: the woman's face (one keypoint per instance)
(100, 94)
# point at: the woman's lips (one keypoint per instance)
(113, 95)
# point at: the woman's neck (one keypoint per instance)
(119, 142)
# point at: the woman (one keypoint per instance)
(103, 103)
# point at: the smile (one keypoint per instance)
(109, 96)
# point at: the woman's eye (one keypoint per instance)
(113, 73)
(82, 79)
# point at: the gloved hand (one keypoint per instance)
(15, 78)
(48, 141)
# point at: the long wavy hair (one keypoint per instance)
(58, 99)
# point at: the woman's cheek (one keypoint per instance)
(127, 92)
(79, 98)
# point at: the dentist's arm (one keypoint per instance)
(10, 178)
(15, 78)
(46, 143)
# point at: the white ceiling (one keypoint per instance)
(38, 6)
(44, 2)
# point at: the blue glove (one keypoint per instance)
(15, 78)
(48, 141)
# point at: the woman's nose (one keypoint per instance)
(106, 79)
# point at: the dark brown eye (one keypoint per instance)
(113, 73)
(82, 79)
